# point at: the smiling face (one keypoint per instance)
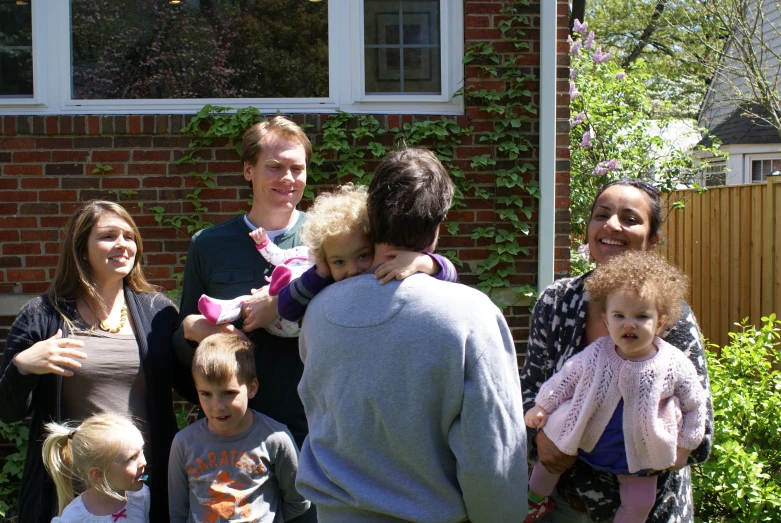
(632, 321)
(111, 249)
(348, 255)
(620, 222)
(125, 473)
(278, 180)
(225, 404)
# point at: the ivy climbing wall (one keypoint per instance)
(174, 182)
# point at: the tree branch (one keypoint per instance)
(649, 30)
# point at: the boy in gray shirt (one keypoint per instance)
(236, 464)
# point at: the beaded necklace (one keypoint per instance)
(122, 319)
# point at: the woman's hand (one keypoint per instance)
(554, 460)
(681, 458)
(56, 355)
(404, 264)
(259, 310)
(536, 418)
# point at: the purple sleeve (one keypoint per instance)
(295, 297)
(447, 271)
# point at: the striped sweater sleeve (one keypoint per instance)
(294, 298)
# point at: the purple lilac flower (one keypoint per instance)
(573, 73)
(586, 141)
(578, 119)
(575, 49)
(603, 168)
(573, 91)
(583, 251)
(589, 41)
(577, 27)
(569, 39)
(620, 76)
(600, 58)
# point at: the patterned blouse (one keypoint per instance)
(557, 332)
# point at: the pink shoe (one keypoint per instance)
(221, 311)
(539, 510)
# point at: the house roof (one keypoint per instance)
(742, 128)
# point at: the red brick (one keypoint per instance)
(119, 182)
(473, 254)
(21, 248)
(152, 156)
(110, 156)
(8, 236)
(224, 167)
(482, 34)
(53, 143)
(17, 143)
(93, 124)
(69, 156)
(64, 168)
(32, 156)
(476, 21)
(8, 208)
(19, 196)
(52, 125)
(17, 222)
(134, 124)
(40, 235)
(147, 168)
(8, 184)
(58, 196)
(157, 272)
(36, 288)
(56, 222)
(41, 261)
(162, 181)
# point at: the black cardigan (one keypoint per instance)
(155, 319)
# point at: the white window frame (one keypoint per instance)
(52, 76)
(755, 158)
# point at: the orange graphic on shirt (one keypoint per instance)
(226, 498)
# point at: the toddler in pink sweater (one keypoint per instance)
(630, 404)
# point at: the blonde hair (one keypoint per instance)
(255, 137)
(334, 214)
(70, 452)
(645, 274)
(73, 277)
(222, 356)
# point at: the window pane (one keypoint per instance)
(756, 171)
(16, 50)
(199, 49)
(402, 47)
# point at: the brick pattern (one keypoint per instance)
(46, 165)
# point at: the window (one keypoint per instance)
(761, 169)
(16, 50)
(174, 56)
(714, 174)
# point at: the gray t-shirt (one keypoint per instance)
(246, 477)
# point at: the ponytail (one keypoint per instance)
(58, 460)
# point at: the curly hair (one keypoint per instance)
(334, 214)
(644, 273)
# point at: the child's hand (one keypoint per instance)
(404, 264)
(536, 418)
(321, 266)
(681, 458)
(259, 235)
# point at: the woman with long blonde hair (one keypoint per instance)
(98, 341)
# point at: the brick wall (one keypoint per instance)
(46, 165)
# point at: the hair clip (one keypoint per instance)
(71, 433)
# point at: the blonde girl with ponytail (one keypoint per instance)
(105, 454)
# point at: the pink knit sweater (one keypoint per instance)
(664, 403)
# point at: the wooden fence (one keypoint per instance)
(726, 241)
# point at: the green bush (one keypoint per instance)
(742, 480)
(11, 473)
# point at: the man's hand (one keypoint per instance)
(554, 460)
(259, 310)
(196, 328)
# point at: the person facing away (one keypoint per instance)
(235, 464)
(335, 233)
(630, 404)
(411, 388)
(105, 453)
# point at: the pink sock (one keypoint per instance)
(221, 311)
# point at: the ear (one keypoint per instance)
(248, 171)
(252, 389)
(653, 241)
(95, 475)
(660, 324)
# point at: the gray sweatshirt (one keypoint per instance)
(414, 405)
(247, 477)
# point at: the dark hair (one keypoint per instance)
(651, 192)
(409, 197)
